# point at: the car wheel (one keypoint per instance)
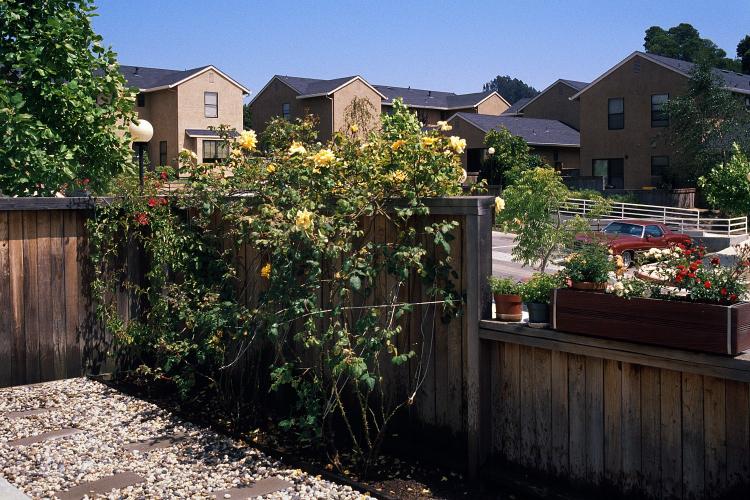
(627, 258)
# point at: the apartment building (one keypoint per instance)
(553, 103)
(182, 106)
(557, 143)
(293, 97)
(623, 127)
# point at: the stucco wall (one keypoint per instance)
(556, 105)
(343, 98)
(161, 111)
(268, 104)
(635, 81)
(191, 112)
(492, 106)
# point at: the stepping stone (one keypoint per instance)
(101, 486)
(44, 437)
(262, 487)
(26, 413)
(157, 443)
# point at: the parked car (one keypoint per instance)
(626, 237)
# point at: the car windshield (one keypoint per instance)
(624, 228)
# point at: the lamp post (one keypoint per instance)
(141, 131)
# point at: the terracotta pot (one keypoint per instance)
(538, 312)
(589, 286)
(508, 307)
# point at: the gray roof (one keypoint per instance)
(149, 78)
(431, 98)
(513, 109)
(535, 131)
(575, 84)
(732, 80)
(313, 86)
(203, 132)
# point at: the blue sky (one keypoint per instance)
(452, 46)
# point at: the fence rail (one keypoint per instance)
(681, 219)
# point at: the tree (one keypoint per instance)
(727, 186)
(512, 89)
(684, 42)
(64, 105)
(247, 117)
(704, 124)
(510, 157)
(532, 212)
(743, 53)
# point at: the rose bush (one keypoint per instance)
(315, 288)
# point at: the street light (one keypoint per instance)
(141, 131)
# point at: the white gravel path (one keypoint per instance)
(193, 468)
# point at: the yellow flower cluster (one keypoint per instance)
(354, 128)
(443, 125)
(304, 221)
(324, 157)
(297, 148)
(398, 144)
(271, 168)
(428, 141)
(399, 176)
(265, 271)
(457, 144)
(248, 140)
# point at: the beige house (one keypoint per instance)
(292, 97)
(624, 131)
(182, 106)
(557, 143)
(553, 103)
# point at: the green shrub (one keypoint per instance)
(539, 288)
(504, 286)
(590, 263)
(727, 186)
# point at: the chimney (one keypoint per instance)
(429, 93)
(136, 70)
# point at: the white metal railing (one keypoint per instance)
(681, 219)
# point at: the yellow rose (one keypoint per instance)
(271, 168)
(248, 139)
(399, 176)
(265, 271)
(324, 157)
(457, 144)
(304, 221)
(297, 148)
(236, 154)
(499, 204)
(397, 144)
(443, 125)
(428, 141)
(354, 128)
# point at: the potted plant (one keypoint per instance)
(695, 304)
(508, 306)
(589, 267)
(537, 294)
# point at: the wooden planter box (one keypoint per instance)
(682, 325)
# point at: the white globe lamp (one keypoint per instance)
(141, 131)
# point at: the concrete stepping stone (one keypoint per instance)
(44, 437)
(101, 486)
(258, 488)
(26, 413)
(157, 443)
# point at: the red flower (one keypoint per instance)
(678, 279)
(85, 181)
(707, 284)
(680, 267)
(694, 266)
(164, 175)
(715, 261)
(141, 218)
(691, 275)
(163, 201)
(723, 291)
(733, 296)
(152, 202)
(688, 251)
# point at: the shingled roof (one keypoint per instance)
(535, 131)
(513, 109)
(146, 79)
(432, 98)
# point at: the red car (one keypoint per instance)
(626, 237)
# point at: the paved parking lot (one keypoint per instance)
(502, 264)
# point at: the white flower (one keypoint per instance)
(499, 204)
(443, 125)
(618, 288)
(491, 151)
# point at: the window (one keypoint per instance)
(141, 100)
(162, 152)
(616, 113)
(422, 116)
(612, 170)
(654, 232)
(285, 111)
(211, 104)
(214, 151)
(659, 116)
(659, 167)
